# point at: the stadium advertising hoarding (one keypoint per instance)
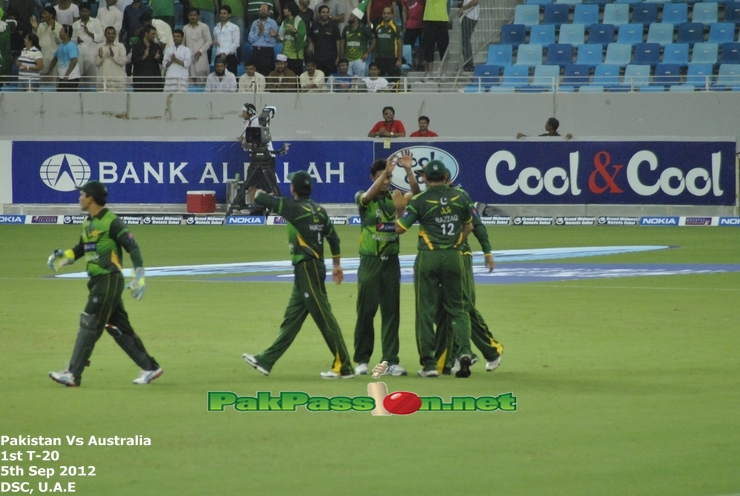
(500, 172)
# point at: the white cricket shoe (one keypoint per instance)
(361, 369)
(64, 377)
(428, 373)
(395, 370)
(147, 376)
(333, 375)
(493, 364)
(252, 361)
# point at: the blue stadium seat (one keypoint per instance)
(732, 12)
(529, 54)
(647, 54)
(546, 78)
(636, 76)
(645, 13)
(499, 55)
(586, 14)
(602, 34)
(597, 2)
(675, 13)
(606, 75)
(630, 2)
(555, 14)
(576, 75)
(630, 33)
(656, 1)
(667, 75)
(484, 77)
(705, 12)
(559, 54)
(568, 2)
(513, 34)
(407, 57)
(729, 53)
(676, 53)
(544, 34)
(682, 88)
(515, 76)
(529, 15)
(572, 34)
(619, 54)
(721, 32)
(591, 88)
(704, 53)
(690, 32)
(538, 2)
(616, 14)
(589, 55)
(660, 33)
(728, 77)
(700, 75)
(652, 89)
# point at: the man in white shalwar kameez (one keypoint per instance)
(176, 60)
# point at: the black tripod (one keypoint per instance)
(261, 174)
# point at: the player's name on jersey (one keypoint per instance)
(575, 221)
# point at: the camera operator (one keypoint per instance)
(256, 140)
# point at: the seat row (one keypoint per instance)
(620, 54)
(604, 34)
(576, 77)
(618, 14)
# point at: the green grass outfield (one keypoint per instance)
(624, 386)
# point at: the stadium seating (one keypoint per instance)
(606, 75)
(705, 12)
(545, 78)
(616, 14)
(513, 34)
(700, 75)
(721, 32)
(675, 13)
(572, 34)
(590, 55)
(529, 15)
(559, 54)
(544, 34)
(484, 77)
(645, 13)
(647, 54)
(661, 33)
(690, 32)
(618, 54)
(575, 76)
(676, 53)
(555, 14)
(586, 14)
(682, 88)
(667, 75)
(602, 34)
(704, 53)
(729, 53)
(636, 76)
(515, 76)
(568, 2)
(499, 55)
(728, 77)
(630, 33)
(529, 54)
(591, 88)
(732, 12)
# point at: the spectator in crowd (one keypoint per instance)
(164, 32)
(412, 13)
(282, 79)
(109, 15)
(226, 39)
(48, 33)
(325, 41)
(146, 58)
(423, 131)
(293, 35)
(376, 8)
(434, 32)
(375, 83)
(164, 10)
(389, 127)
(274, 10)
(131, 32)
(23, 11)
(388, 47)
(343, 81)
(263, 38)
(238, 11)
(66, 60)
(358, 42)
(67, 12)
(177, 60)
(206, 11)
(337, 12)
(468, 15)
(198, 40)
(111, 63)
(89, 34)
(221, 80)
(551, 129)
(312, 80)
(306, 13)
(122, 4)
(30, 63)
(252, 81)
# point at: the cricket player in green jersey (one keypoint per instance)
(104, 237)
(379, 274)
(308, 226)
(445, 216)
(480, 335)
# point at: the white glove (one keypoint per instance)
(60, 258)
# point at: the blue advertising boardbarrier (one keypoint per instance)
(496, 172)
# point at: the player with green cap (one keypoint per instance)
(445, 216)
(308, 226)
(104, 237)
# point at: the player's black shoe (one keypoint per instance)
(464, 367)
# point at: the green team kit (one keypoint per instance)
(308, 226)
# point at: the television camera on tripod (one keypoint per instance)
(257, 141)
